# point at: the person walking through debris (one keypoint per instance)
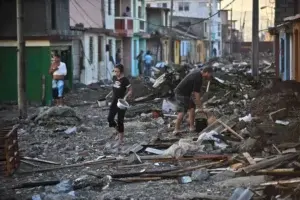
(148, 63)
(120, 86)
(140, 62)
(58, 70)
(190, 85)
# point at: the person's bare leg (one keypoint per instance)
(187, 118)
(178, 121)
(192, 119)
(59, 101)
(121, 138)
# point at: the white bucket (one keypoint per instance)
(102, 102)
(122, 103)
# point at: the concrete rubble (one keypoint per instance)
(251, 141)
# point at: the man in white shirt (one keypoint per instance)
(58, 70)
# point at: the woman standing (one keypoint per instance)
(120, 86)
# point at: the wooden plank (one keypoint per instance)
(281, 182)
(134, 149)
(249, 158)
(292, 150)
(154, 151)
(195, 195)
(216, 126)
(269, 162)
(231, 130)
(40, 160)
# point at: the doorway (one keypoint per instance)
(296, 57)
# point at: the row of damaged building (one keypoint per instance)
(287, 39)
(88, 35)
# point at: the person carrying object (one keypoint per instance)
(121, 85)
(187, 90)
(58, 70)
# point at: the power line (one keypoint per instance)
(80, 14)
(91, 3)
(203, 20)
(86, 13)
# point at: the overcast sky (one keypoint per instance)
(241, 6)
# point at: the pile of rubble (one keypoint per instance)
(249, 150)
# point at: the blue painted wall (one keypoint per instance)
(287, 75)
(134, 52)
(284, 56)
(281, 54)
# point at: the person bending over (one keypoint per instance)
(190, 85)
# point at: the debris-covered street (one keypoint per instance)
(250, 146)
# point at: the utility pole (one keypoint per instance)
(231, 32)
(209, 29)
(22, 104)
(255, 38)
(171, 50)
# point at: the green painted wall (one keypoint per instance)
(37, 65)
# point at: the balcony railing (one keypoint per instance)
(124, 25)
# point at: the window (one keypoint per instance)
(53, 14)
(164, 5)
(219, 27)
(219, 34)
(109, 7)
(110, 47)
(100, 38)
(180, 6)
(166, 19)
(186, 6)
(183, 6)
(205, 27)
(159, 5)
(219, 13)
(91, 50)
(219, 45)
(140, 12)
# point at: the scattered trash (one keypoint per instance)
(71, 130)
(185, 179)
(285, 123)
(250, 140)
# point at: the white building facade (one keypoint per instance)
(198, 9)
(92, 50)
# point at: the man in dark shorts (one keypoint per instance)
(187, 90)
(140, 62)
